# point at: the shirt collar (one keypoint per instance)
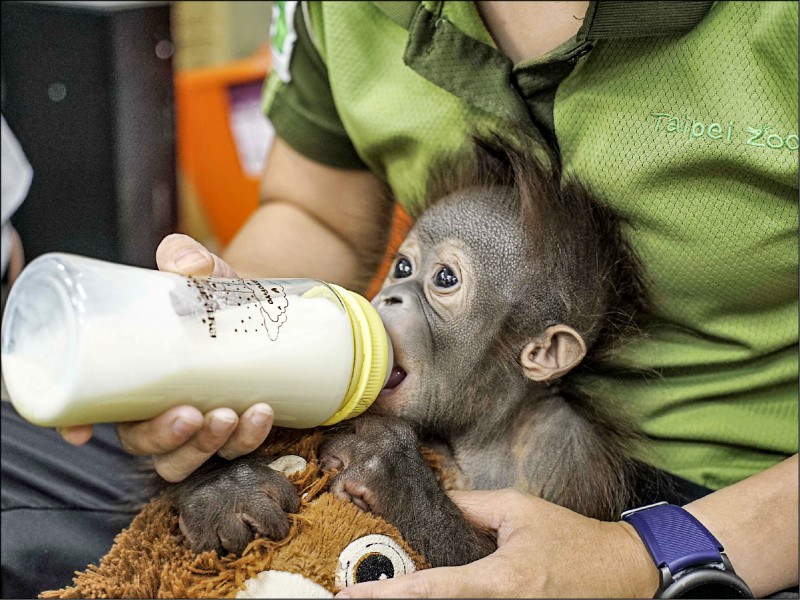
(615, 19)
(606, 19)
(439, 50)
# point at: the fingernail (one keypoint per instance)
(260, 417)
(183, 426)
(221, 423)
(190, 261)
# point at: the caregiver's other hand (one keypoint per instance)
(543, 550)
(182, 438)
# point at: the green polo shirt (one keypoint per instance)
(680, 115)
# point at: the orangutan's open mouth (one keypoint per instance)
(396, 378)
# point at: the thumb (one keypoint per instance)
(178, 253)
(443, 582)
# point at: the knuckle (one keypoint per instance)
(207, 442)
(147, 437)
(512, 497)
(515, 578)
(234, 448)
(207, 447)
(138, 442)
(505, 577)
(229, 453)
(169, 471)
(421, 587)
(248, 438)
(158, 444)
(124, 439)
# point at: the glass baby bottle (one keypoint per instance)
(87, 341)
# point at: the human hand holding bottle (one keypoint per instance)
(182, 438)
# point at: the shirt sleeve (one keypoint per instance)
(297, 97)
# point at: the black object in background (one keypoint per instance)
(87, 90)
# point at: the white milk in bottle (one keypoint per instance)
(85, 341)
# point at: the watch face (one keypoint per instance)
(708, 583)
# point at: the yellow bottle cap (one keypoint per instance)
(373, 345)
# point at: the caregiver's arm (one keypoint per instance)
(545, 550)
(313, 221)
(756, 521)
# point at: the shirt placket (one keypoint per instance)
(485, 77)
(475, 72)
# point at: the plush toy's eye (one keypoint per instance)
(372, 567)
(402, 268)
(371, 558)
(445, 278)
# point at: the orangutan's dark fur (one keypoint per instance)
(550, 438)
(588, 260)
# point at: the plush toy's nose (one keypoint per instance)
(282, 584)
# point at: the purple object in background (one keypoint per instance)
(252, 132)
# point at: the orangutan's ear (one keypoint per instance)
(561, 349)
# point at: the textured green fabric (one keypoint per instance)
(714, 218)
(715, 223)
(304, 112)
(399, 12)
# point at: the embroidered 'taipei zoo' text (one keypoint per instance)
(724, 133)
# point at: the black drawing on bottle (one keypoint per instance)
(265, 299)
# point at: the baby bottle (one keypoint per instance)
(86, 341)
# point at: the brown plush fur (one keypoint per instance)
(150, 560)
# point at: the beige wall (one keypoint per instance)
(209, 33)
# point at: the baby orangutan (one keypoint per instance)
(508, 284)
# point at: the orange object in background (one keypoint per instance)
(220, 141)
(401, 224)
(208, 155)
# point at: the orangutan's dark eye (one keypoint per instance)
(402, 268)
(445, 278)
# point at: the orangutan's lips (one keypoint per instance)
(395, 379)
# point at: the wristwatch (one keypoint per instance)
(690, 558)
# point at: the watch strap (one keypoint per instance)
(673, 537)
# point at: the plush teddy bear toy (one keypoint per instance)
(331, 544)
